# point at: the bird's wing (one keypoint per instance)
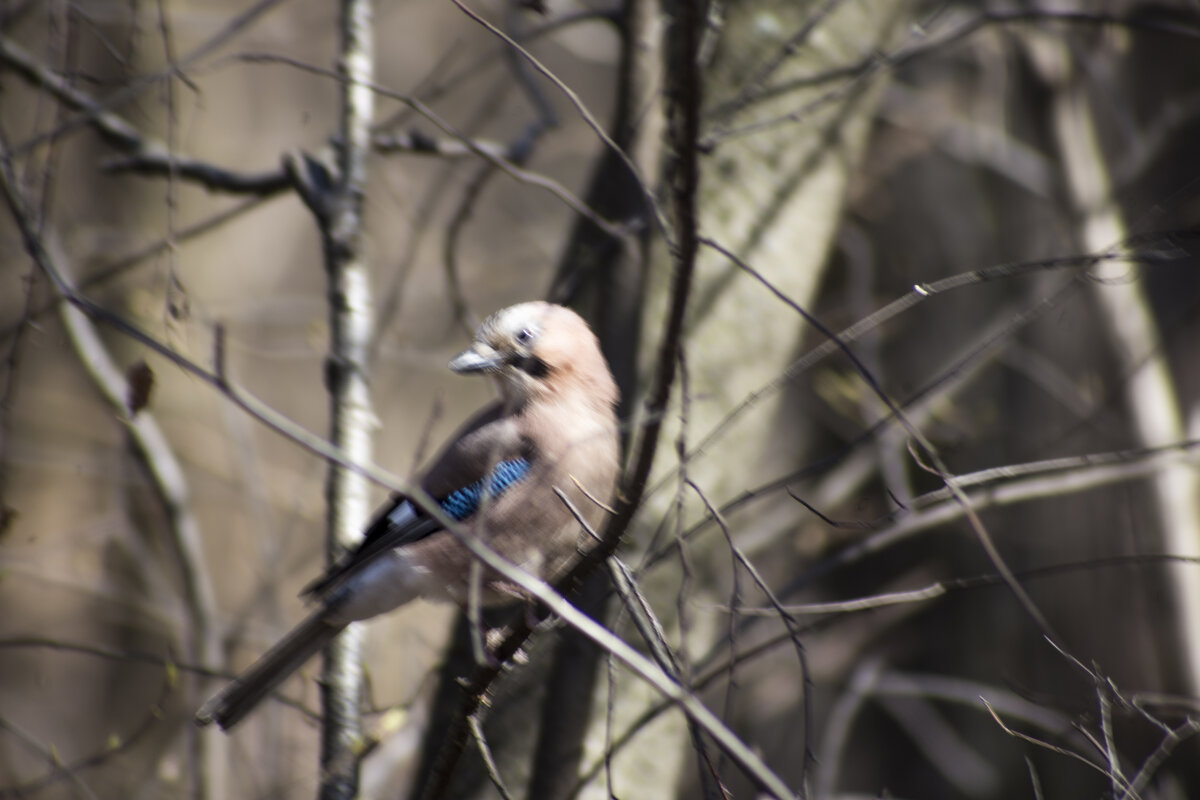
(484, 459)
(400, 522)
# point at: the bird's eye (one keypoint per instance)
(525, 336)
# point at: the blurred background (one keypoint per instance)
(978, 216)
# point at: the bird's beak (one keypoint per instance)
(476, 358)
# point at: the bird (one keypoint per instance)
(519, 475)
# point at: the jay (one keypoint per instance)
(553, 430)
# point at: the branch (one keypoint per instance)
(945, 688)
(641, 666)
(166, 473)
(151, 161)
(1151, 393)
(584, 113)
(218, 378)
(149, 721)
(482, 150)
(602, 278)
(857, 72)
(338, 208)
(1136, 250)
(89, 115)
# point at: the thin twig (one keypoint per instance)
(149, 721)
(936, 465)
(878, 63)
(584, 113)
(1055, 478)
(489, 762)
(1149, 249)
(1172, 740)
(946, 688)
(50, 755)
(1045, 745)
(89, 115)
(784, 616)
(504, 165)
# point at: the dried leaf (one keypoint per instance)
(140, 382)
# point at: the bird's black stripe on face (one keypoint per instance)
(532, 365)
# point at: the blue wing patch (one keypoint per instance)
(464, 502)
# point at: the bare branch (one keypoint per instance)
(338, 208)
(89, 115)
(1046, 745)
(486, 753)
(936, 466)
(584, 113)
(149, 721)
(507, 167)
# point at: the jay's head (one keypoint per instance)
(539, 351)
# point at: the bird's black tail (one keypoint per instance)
(246, 691)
